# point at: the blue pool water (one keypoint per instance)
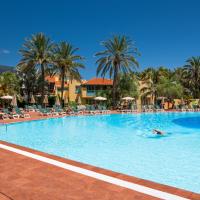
(122, 143)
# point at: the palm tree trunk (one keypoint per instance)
(62, 84)
(43, 82)
(114, 90)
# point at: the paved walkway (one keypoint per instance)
(37, 116)
(24, 178)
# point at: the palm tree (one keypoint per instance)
(67, 63)
(151, 78)
(118, 57)
(191, 75)
(38, 51)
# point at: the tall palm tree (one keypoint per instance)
(118, 57)
(191, 75)
(38, 51)
(68, 63)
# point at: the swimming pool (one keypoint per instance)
(122, 143)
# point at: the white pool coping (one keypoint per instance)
(99, 176)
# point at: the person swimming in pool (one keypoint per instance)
(158, 132)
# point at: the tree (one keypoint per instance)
(67, 63)
(170, 88)
(128, 85)
(28, 76)
(9, 83)
(151, 78)
(37, 52)
(191, 75)
(118, 57)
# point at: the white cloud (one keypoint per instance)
(5, 51)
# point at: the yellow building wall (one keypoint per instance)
(73, 96)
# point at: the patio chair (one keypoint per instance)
(59, 111)
(11, 115)
(106, 109)
(45, 112)
(150, 108)
(101, 109)
(4, 116)
(183, 108)
(35, 108)
(158, 108)
(77, 111)
(22, 114)
(94, 110)
(133, 108)
(31, 109)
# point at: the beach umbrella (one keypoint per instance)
(46, 101)
(32, 99)
(14, 101)
(79, 100)
(57, 103)
(100, 98)
(128, 98)
(6, 97)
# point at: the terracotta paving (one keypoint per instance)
(23, 178)
(37, 116)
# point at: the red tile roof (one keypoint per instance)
(99, 81)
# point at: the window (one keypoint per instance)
(78, 89)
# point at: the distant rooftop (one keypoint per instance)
(4, 68)
(99, 81)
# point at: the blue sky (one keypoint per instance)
(166, 32)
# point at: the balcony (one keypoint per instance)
(91, 93)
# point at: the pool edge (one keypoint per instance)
(123, 177)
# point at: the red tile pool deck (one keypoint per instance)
(24, 178)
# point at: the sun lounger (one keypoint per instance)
(14, 116)
(59, 111)
(158, 108)
(22, 114)
(45, 112)
(11, 115)
(91, 110)
(190, 108)
(146, 108)
(4, 116)
(36, 108)
(183, 108)
(102, 109)
(29, 108)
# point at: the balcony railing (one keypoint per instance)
(93, 93)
